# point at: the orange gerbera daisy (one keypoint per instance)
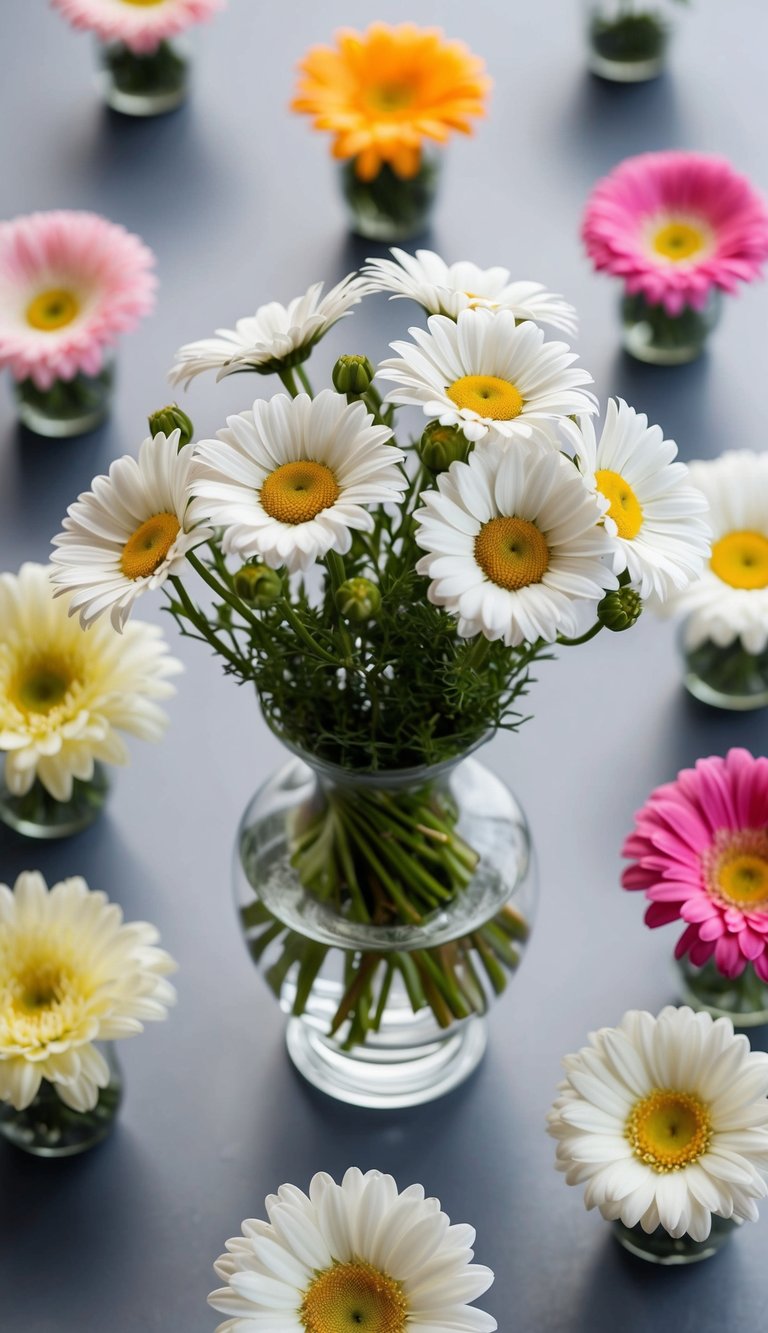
(384, 91)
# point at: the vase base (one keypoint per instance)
(142, 104)
(731, 703)
(638, 342)
(660, 1248)
(61, 428)
(626, 71)
(387, 1079)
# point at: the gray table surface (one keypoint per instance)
(237, 199)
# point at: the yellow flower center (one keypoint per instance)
(298, 492)
(735, 868)
(144, 3)
(740, 559)
(53, 309)
(512, 552)
(41, 683)
(354, 1297)
(668, 1129)
(489, 396)
(390, 98)
(149, 545)
(624, 507)
(43, 995)
(678, 241)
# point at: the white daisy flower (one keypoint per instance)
(276, 338)
(127, 535)
(656, 517)
(730, 600)
(447, 289)
(358, 1253)
(665, 1121)
(487, 374)
(516, 547)
(71, 974)
(65, 695)
(290, 479)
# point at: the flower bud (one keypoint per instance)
(258, 586)
(170, 418)
(353, 374)
(440, 446)
(620, 610)
(358, 600)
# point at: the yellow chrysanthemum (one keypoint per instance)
(384, 91)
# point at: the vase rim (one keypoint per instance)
(383, 777)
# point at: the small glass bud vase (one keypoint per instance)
(729, 678)
(143, 85)
(661, 1248)
(391, 207)
(660, 339)
(37, 814)
(49, 1128)
(743, 999)
(627, 39)
(69, 407)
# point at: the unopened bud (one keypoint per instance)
(353, 374)
(358, 600)
(258, 586)
(440, 446)
(620, 610)
(171, 418)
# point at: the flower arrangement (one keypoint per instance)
(628, 38)
(70, 283)
(358, 1253)
(65, 697)
(665, 1122)
(388, 603)
(74, 976)
(387, 95)
(678, 228)
(699, 853)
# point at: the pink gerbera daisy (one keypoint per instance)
(140, 25)
(674, 225)
(69, 284)
(700, 853)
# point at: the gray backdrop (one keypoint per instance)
(238, 200)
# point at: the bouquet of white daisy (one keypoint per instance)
(388, 600)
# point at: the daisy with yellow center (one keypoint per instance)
(665, 1122)
(384, 92)
(127, 535)
(679, 239)
(292, 479)
(71, 974)
(353, 1256)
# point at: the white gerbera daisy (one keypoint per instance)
(71, 974)
(66, 695)
(288, 480)
(487, 374)
(665, 1121)
(656, 517)
(516, 546)
(730, 600)
(276, 338)
(128, 534)
(349, 1255)
(447, 289)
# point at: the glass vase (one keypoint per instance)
(48, 1128)
(728, 678)
(143, 85)
(743, 999)
(37, 814)
(627, 39)
(390, 207)
(385, 911)
(661, 1248)
(659, 339)
(69, 407)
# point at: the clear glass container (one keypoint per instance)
(389, 207)
(144, 85)
(743, 999)
(386, 994)
(627, 39)
(48, 1128)
(728, 678)
(661, 1248)
(659, 339)
(37, 814)
(69, 407)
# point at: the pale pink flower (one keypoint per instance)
(674, 225)
(69, 284)
(141, 27)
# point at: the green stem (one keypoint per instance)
(583, 638)
(304, 377)
(289, 380)
(201, 624)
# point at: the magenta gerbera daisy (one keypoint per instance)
(700, 854)
(673, 225)
(69, 284)
(141, 25)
